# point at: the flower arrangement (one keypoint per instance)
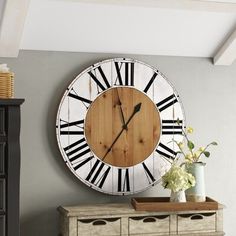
(189, 151)
(177, 179)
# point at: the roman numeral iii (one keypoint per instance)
(172, 127)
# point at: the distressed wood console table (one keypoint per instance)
(122, 219)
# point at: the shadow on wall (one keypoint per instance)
(41, 223)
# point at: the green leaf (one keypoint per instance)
(207, 154)
(190, 145)
(214, 143)
(178, 121)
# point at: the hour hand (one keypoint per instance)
(137, 108)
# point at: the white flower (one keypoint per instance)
(177, 179)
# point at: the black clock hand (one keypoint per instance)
(136, 109)
(121, 110)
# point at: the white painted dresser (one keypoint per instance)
(122, 219)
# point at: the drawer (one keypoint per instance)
(2, 158)
(2, 121)
(2, 225)
(97, 227)
(158, 225)
(2, 195)
(197, 222)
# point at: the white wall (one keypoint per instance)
(2, 5)
(209, 97)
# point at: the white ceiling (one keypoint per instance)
(196, 28)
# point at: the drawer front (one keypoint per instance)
(2, 121)
(97, 227)
(158, 225)
(202, 222)
(2, 158)
(2, 226)
(2, 195)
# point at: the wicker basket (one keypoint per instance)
(6, 85)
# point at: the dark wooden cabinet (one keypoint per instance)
(9, 166)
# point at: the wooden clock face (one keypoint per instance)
(105, 120)
(115, 126)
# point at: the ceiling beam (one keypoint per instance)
(195, 5)
(12, 27)
(227, 52)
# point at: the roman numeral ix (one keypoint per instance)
(71, 128)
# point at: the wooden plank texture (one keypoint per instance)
(123, 220)
(164, 204)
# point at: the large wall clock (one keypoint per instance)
(115, 125)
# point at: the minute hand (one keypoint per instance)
(136, 109)
(120, 107)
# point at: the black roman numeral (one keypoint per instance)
(82, 162)
(171, 127)
(77, 149)
(150, 82)
(123, 180)
(65, 127)
(167, 102)
(74, 95)
(166, 151)
(126, 78)
(148, 173)
(103, 86)
(98, 174)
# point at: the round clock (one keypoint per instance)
(115, 126)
